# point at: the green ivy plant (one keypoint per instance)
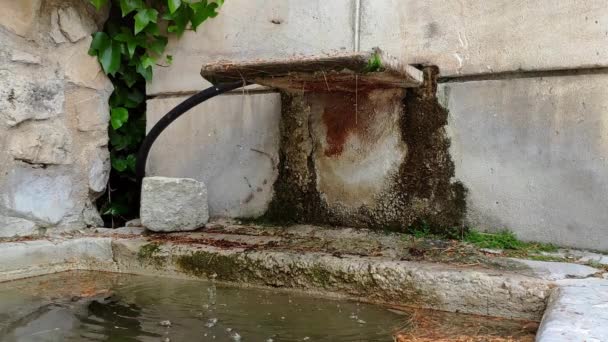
(132, 42)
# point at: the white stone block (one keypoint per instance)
(246, 30)
(231, 143)
(40, 195)
(533, 155)
(173, 204)
(480, 36)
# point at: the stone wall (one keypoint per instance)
(523, 84)
(54, 159)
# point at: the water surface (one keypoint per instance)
(94, 306)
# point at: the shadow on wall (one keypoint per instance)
(375, 158)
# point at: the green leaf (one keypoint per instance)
(131, 162)
(128, 6)
(98, 3)
(158, 45)
(118, 117)
(202, 12)
(144, 17)
(152, 29)
(109, 57)
(119, 164)
(146, 73)
(132, 42)
(130, 77)
(147, 61)
(169, 59)
(180, 19)
(116, 210)
(100, 42)
(174, 5)
(118, 141)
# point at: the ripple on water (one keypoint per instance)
(89, 306)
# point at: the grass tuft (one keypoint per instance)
(506, 240)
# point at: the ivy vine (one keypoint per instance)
(132, 42)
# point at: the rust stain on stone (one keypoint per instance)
(340, 120)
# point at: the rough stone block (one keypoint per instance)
(278, 28)
(55, 31)
(84, 70)
(41, 195)
(99, 170)
(231, 143)
(173, 204)
(532, 153)
(30, 96)
(480, 36)
(25, 58)
(19, 16)
(14, 226)
(41, 143)
(73, 25)
(89, 107)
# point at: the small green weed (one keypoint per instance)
(506, 240)
(374, 64)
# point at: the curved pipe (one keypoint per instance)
(172, 115)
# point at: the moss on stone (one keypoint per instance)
(149, 254)
(232, 267)
(320, 276)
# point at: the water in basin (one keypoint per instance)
(95, 306)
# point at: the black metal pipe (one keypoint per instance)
(172, 115)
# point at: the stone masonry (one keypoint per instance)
(54, 160)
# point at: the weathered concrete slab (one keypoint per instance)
(350, 72)
(247, 30)
(532, 153)
(230, 143)
(576, 313)
(479, 36)
(173, 204)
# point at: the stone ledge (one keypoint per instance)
(33, 258)
(577, 311)
(382, 280)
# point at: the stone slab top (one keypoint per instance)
(349, 72)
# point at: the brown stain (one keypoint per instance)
(345, 114)
(340, 120)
